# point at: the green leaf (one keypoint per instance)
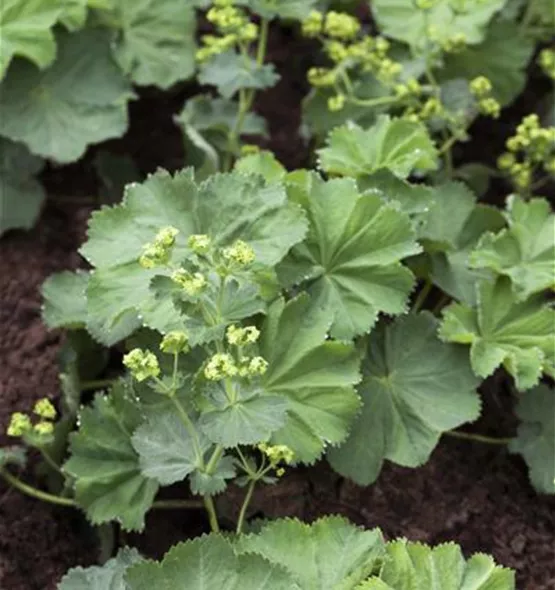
(230, 72)
(226, 207)
(21, 194)
(215, 482)
(352, 255)
(503, 63)
(64, 302)
(397, 145)
(525, 252)
(326, 554)
(26, 27)
(165, 449)
(156, 44)
(401, 20)
(451, 270)
(414, 566)
(283, 9)
(108, 481)
(109, 576)
(263, 163)
(80, 100)
(208, 562)
(251, 418)
(535, 439)
(13, 456)
(414, 388)
(206, 123)
(504, 331)
(314, 375)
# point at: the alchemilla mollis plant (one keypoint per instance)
(269, 319)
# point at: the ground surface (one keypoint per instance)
(474, 494)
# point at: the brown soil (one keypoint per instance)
(474, 494)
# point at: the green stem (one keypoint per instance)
(478, 437)
(212, 516)
(35, 492)
(262, 41)
(421, 298)
(443, 301)
(48, 459)
(245, 505)
(372, 102)
(96, 384)
(190, 428)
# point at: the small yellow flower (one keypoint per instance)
(44, 428)
(480, 86)
(341, 25)
(312, 25)
(142, 364)
(239, 252)
(174, 342)
(19, 424)
(192, 283)
(45, 409)
(220, 366)
(336, 103)
(242, 336)
(199, 243)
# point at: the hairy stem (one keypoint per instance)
(35, 492)
(246, 502)
(212, 516)
(478, 437)
(48, 459)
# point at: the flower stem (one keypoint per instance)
(245, 505)
(48, 459)
(212, 516)
(478, 437)
(35, 492)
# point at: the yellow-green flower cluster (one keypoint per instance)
(321, 77)
(158, 252)
(192, 283)
(277, 453)
(313, 25)
(199, 243)
(481, 88)
(339, 25)
(142, 364)
(532, 146)
(239, 253)
(220, 366)
(546, 61)
(233, 27)
(454, 44)
(21, 424)
(242, 336)
(257, 366)
(425, 4)
(175, 342)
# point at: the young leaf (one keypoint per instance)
(451, 270)
(535, 440)
(414, 388)
(401, 20)
(504, 331)
(263, 163)
(109, 576)
(329, 553)
(21, 194)
(165, 448)
(314, 375)
(26, 27)
(206, 123)
(397, 145)
(252, 417)
(352, 254)
(64, 302)
(226, 207)
(230, 72)
(156, 45)
(108, 480)
(525, 252)
(414, 566)
(504, 64)
(205, 563)
(80, 100)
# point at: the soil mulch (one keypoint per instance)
(474, 494)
